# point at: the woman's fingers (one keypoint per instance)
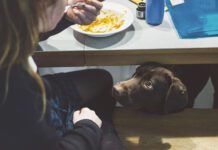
(97, 4)
(71, 15)
(83, 16)
(86, 113)
(84, 12)
(91, 9)
(85, 109)
(76, 114)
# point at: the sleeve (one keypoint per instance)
(63, 24)
(85, 136)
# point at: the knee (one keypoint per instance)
(104, 77)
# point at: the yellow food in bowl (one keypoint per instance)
(107, 21)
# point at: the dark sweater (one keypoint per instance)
(19, 125)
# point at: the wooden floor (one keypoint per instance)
(193, 129)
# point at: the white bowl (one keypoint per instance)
(128, 20)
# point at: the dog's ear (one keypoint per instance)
(176, 98)
(140, 70)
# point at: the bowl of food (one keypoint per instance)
(113, 18)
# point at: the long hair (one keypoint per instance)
(19, 35)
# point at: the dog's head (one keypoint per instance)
(152, 88)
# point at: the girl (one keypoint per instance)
(39, 113)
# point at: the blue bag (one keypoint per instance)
(195, 18)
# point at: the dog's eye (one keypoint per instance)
(148, 85)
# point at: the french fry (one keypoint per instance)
(107, 21)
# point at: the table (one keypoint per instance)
(138, 44)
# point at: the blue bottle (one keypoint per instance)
(155, 11)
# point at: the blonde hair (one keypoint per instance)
(19, 30)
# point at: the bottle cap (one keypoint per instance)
(141, 4)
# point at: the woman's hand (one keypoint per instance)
(86, 113)
(83, 11)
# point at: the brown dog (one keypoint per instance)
(153, 88)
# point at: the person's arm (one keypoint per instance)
(85, 136)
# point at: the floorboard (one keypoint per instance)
(192, 129)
